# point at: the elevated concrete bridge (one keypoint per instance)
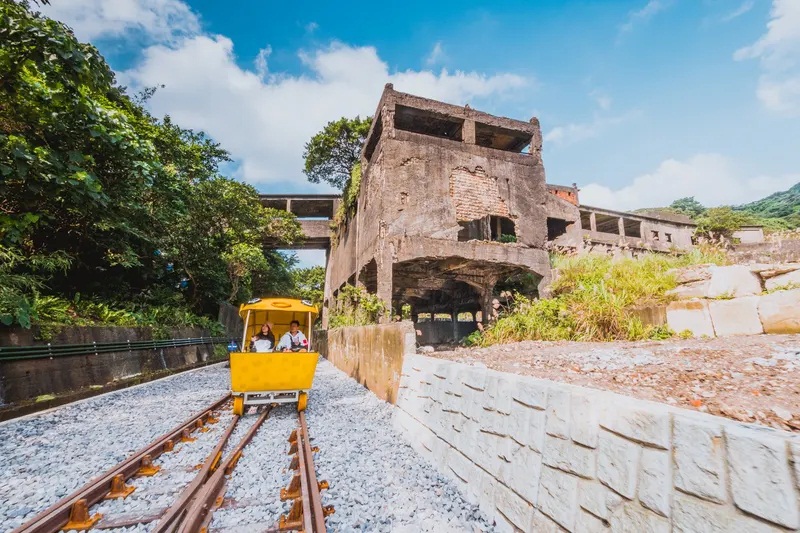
(314, 212)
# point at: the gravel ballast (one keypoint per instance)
(378, 483)
(46, 456)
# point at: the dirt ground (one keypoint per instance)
(754, 378)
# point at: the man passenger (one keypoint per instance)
(293, 340)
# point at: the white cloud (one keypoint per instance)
(745, 7)
(575, 132)
(265, 122)
(311, 27)
(640, 16)
(156, 20)
(260, 62)
(436, 56)
(602, 100)
(778, 51)
(711, 178)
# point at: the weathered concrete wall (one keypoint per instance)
(27, 379)
(541, 456)
(782, 250)
(441, 331)
(372, 355)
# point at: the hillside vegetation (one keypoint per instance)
(593, 296)
(781, 208)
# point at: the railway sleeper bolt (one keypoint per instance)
(212, 419)
(293, 448)
(315, 449)
(293, 520)
(147, 468)
(295, 464)
(293, 436)
(185, 436)
(118, 488)
(323, 485)
(79, 517)
(328, 510)
(169, 445)
(293, 490)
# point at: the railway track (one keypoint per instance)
(193, 509)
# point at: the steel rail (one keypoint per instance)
(198, 514)
(55, 517)
(177, 510)
(16, 353)
(313, 485)
(303, 459)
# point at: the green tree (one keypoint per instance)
(331, 154)
(688, 206)
(720, 221)
(309, 284)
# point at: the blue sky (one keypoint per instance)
(641, 101)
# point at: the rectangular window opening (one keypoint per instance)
(503, 229)
(428, 123)
(502, 138)
(633, 228)
(556, 227)
(668, 237)
(654, 235)
(607, 224)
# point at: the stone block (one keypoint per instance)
(558, 497)
(655, 481)
(475, 378)
(761, 476)
(589, 523)
(699, 457)
(542, 523)
(530, 392)
(770, 270)
(494, 422)
(690, 315)
(691, 515)
(692, 273)
(738, 316)
(462, 467)
(790, 279)
(557, 422)
(695, 289)
(649, 424)
(794, 449)
(733, 281)
(780, 312)
(513, 508)
(488, 489)
(635, 518)
(569, 457)
(585, 413)
(598, 499)
(523, 473)
(618, 463)
(487, 450)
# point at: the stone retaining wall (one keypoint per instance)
(542, 456)
(22, 380)
(372, 355)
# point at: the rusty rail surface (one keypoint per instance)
(307, 513)
(177, 511)
(55, 517)
(200, 509)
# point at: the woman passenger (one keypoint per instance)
(264, 340)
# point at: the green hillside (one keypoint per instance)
(780, 208)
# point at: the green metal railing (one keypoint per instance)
(15, 353)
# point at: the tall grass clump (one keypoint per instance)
(593, 296)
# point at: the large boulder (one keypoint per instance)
(692, 315)
(770, 270)
(738, 316)
(788, 280)
(780, 312)
(733, 282)
(694, 289)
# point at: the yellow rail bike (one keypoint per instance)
(260, 378)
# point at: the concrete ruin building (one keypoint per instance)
(452, 201)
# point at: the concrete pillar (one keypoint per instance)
(454, 315)
(486, 304)
(621, 224)
(384, 291)
(468, 132)
(289, 205)
(592, 222)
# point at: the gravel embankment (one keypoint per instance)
(378, 483)
(46, 456)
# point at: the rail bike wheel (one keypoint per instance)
(238, 405)
(302, 401)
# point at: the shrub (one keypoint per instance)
(356, 307)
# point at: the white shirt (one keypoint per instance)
(288, 338)
(262, 345)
